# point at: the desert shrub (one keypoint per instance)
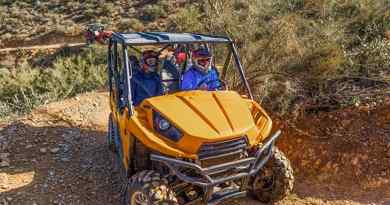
(131, 24)
(21, 91)
(291, 49)
(151, 12)
(371, 59)
(187, 19)
(107, 8)
(167, 5)
(89, 13)
(298, 48)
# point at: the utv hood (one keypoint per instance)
(206, 116)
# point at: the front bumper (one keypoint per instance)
(241, 169)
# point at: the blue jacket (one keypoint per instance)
(193, 79)
(145, 85)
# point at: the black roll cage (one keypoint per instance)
(119, 38)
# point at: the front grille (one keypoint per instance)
(222, 152)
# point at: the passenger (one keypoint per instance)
(171, 70)
(201, 75)
(146, 83)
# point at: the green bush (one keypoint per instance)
(152, 12)
(131, 24)
(107, 9)
(188, 19)
(294, 49)
(21, 91)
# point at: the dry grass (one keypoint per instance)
(295, 52)
(303, 51)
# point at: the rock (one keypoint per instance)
(305, 162)
(387, 34)
(3, 181)
(43, 150)
(355, 161)
(54, 150)
(64, 159)
(318, 162)
(345, 123)
(365, 109)
(51, 173)
(28, 146)
(4, 161)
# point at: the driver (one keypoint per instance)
(201, 75)
(146, 83)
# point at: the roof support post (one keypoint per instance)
(129, 75)
(226, 65)
(241, 69)
(110, 64)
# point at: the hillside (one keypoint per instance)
(300, 56)
(35, 22)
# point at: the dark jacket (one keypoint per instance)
(145, 85)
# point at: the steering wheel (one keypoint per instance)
(222, 84)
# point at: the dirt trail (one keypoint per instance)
(40, 47)
(57, 155)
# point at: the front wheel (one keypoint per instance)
(148, 187)
(275, 180)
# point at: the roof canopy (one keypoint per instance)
(144, 38)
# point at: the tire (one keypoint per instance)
(115, 149)
(141, 157)
(111, 143)
(149, 187)
(275, 180)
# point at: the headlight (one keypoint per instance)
(163, 124)
(165, 128)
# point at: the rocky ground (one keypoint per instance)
(57, 155)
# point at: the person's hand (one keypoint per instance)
(203, 87)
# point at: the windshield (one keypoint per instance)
(182, 66)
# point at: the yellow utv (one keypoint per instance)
(191, 147)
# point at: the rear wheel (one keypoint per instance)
(275, 181)
(149, 188)
(114, 145)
